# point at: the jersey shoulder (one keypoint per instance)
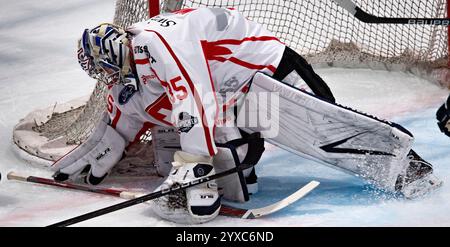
(189, 24)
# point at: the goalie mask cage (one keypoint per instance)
(323, 32)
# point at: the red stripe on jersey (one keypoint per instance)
(161, 103)
(146, 126)
(240, 41)
(204, 45)
(245, 88)
(184, 11)
(214, 51)
(229, 104)
(209, 140)
(116, 118)
(245, 64)
(165, 85)
(250, 65)
(272, 68)
(141, 61)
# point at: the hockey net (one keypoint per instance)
(323, 32)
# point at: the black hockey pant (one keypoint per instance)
(291, 61)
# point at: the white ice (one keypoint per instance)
(38, 68)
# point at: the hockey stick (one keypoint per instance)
(363, 16)
(248, 162)
(66, 185)
(150, 196)
(270, 209)
(225, 210)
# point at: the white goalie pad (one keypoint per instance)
(326, 132)
(166, 141)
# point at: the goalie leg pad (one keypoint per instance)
(166, 141)
(80, 151)
(233, 187)
(249, 149)
(327, 132)
(97, 156)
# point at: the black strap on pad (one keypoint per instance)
(254, 152)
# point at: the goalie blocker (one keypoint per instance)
(357, 143)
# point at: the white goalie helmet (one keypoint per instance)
(103, 52)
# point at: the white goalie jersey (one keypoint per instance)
(193, 66)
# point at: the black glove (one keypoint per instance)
(443, 117)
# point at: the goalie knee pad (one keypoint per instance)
(194, 205)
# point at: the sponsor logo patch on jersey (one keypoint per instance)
(229, 86)
(140, 49)
(126, 94)
(147, 78)
(186, 122)
(163, 22)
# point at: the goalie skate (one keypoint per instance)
(418, 179)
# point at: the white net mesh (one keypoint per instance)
(326, 34)
(323, 32)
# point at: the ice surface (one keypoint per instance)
(38, 68)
